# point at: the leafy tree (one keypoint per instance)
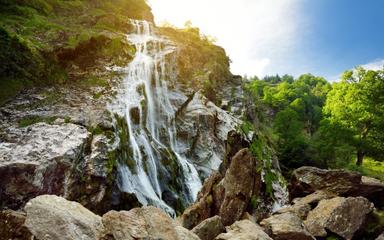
(357, 104)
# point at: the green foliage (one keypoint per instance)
(357, 104)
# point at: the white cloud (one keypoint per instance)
(255, 33)
(374, 65)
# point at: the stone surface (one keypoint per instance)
(52, 217)
(226, 196)
(209, 228)
(144, 223)
(39, 160)
(244, 230)
(381, 237)
(306, 180)
(343, 216)
(202, 129)
(12, 225)
(286, 226)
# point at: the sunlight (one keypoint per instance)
(261, 31)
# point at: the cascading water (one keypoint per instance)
(148, 131)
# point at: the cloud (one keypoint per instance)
(257, 34)
(374, 65)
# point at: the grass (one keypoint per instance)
(27, 121)
(370, 168)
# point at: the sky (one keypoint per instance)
(265, 37)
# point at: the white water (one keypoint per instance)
(143, 101)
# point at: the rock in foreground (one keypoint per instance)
(244, 230)
(52, 217)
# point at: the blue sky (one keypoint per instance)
(323, 37)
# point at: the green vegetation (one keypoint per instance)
(51, 41)
(201, 64)
(25, 122)
(313, 122)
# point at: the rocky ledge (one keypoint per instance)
(223, 211)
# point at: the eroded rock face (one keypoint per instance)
(343, 216)
(286, 226)
(306, 180)
(209, 228)
(144, 223)
(38, 161)
(52, 217)
(203, 129)
(244, 230)
(226, 196)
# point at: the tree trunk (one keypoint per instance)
(360, 157)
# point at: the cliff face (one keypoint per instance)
(65, 62)
(49, 41)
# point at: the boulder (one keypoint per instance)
(144, 223)
(306, 180)
(12, 225)
(302, 206)
(209, 228)
(52, 217)
(227, 197)
(286, 226)
(39, 160)
(343, 216)
(244, 230)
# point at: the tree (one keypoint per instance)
(357, 103)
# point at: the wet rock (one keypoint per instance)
(202, 129)
(39, 161)
(286, 226)
(209, 228)
(244, 230)
(227, 197)
(306, 180)
(12, 225)
(144, 223)
(343, 216)
(52, 217)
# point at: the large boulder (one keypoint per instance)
(343, 216)
(12, 225)
(39, 159)
(52, 217)
(306, 180)
(286, 226)
(227, 197)
(244, 230)
(144, 223)
(209, 228)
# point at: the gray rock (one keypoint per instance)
(343, 216)
(39, 161)
(209, 228)
(144, 223)
(286, 226)
(381, 237)
(244, 230)
(50, 217)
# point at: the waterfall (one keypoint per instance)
(145, 124)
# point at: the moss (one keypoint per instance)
(67, 119)
(254, 202)
(27, 121)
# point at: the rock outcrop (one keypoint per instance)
(52, 217)
(306, 180)
(244, 230)
(12, 225)
(39, 159)
(226, 196)
(286, 226)
(343, 216)
(209, 228)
